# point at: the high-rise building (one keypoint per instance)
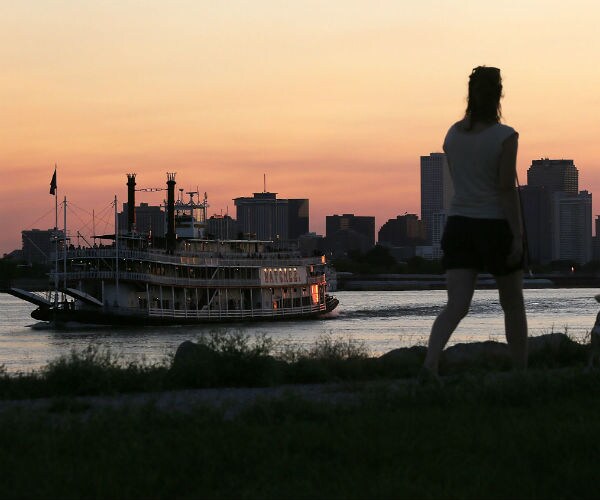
(298, 217)
(538, 213)
(572, 235)
(436, 189)
(596, 240)
(554, 175)
(404, 230)
(546, 215)
(268, 218)
(438, 223)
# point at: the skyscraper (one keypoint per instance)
(554, 175)
(596, 239)
(298, 215)
(537, 216)
(557, 216)
(572, 235)
(436, 189)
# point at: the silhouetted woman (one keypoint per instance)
(484, 231)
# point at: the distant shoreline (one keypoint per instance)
(393, 282)
(415, 282)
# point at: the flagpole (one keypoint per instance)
(55, 236)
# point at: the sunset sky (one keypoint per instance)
(334, 100)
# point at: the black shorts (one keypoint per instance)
(479, 244)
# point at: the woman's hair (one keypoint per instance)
(485, 91)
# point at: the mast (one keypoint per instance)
(65, 244)
(116, 251)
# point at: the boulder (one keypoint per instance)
(405, 355)
(488, 354)
(556, 350)
(550, 342)
(403, 362)
(194, 364)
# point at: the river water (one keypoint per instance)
(382, 320)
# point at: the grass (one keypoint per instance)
(532, 435)
(216, 360)
(237, 360)
(487, 434)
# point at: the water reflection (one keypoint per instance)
(383, 320)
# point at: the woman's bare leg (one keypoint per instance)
(510, 289)
(461, 285)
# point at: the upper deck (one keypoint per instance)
(189, 258)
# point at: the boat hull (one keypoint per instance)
(114, 318)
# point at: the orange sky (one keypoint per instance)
(334, 101)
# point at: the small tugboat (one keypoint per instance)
(182, 277)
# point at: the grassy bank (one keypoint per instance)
(237, 360)
(513, 436)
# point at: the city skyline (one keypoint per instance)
(334, 102)
(552, 174)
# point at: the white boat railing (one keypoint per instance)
(206, 259)
(170, 280)
(235, 313)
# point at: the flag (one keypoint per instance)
(53, 182)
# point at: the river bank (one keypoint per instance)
(227, 429)
(406, 282)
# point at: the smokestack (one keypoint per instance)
(170, 212)
(130, 202)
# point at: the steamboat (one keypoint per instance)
(181, 277)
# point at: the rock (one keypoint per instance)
(552, 342)
(556, 350)
(405, 355)
(488, 354)
(194, 362)
(403, 362)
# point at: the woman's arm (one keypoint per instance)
(509, 197)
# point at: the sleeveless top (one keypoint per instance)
(474, 160)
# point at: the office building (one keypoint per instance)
(537, 218)
(349, 232)
(404, 230)
(361, 224)
(572, 235)
(298, 215)
(149, 220)
(596, 240)
(222, 227)
(554, 176)
(311, 244)
(555, 212)
(436, 189)
(266, 217)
